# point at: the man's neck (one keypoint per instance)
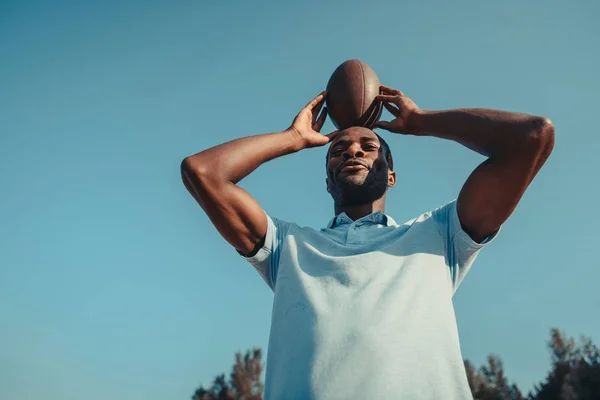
(356, 212)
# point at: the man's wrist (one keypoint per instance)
(297, 142)
(417, 122)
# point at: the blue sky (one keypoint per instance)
(113, 282)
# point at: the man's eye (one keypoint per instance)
(336, 153)
(371, 147)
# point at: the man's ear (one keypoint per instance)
(327, 183)
(391, 178)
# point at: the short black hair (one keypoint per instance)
(388, 152)
(384, 146)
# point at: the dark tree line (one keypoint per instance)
(574, 375)
(244, 380)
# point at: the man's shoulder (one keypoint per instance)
(441, 213)
(433, 213)
(291, 224)
(437, 216)
(429, 222)
(283, 227)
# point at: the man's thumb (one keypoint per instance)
(383, 125)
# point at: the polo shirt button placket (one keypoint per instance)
(352, 235)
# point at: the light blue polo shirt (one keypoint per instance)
(363, 309)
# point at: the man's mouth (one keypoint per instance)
(353, 167)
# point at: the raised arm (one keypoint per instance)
(211, 176)
(517, 145)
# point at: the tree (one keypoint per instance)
(489, 381)
(575, 373)
(244, 380)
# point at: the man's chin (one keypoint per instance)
(354, 180)
(353, 190)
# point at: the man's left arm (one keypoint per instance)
(517, 145)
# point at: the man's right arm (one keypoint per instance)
(211, 176)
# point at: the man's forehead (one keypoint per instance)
(362, 134)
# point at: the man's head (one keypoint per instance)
(359, 167)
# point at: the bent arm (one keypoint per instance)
(211, 177)
(517, 145)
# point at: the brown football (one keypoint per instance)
(351, 92)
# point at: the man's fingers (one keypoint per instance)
(387, 98)
(393, 110)
(389, 90)
(317, 108)
(332, 135)
(383, 125)
(320, 121)
(316, 100)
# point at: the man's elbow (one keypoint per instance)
(541, 137)
(193, 175)
(191, 167)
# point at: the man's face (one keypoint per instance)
(357, 170)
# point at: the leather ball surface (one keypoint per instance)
(351, 93)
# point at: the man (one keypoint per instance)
(363, 308)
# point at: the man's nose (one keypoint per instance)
(353, 152)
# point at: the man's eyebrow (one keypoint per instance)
(341, 141)
(369, 139)
(362, 139)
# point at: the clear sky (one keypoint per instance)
(113, 282)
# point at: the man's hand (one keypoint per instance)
(400, 107)
(517, 145)
(308, 123)
(212, 175)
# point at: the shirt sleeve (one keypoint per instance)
(461, 250)
(266, 260)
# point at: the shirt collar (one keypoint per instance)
(376, 218)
